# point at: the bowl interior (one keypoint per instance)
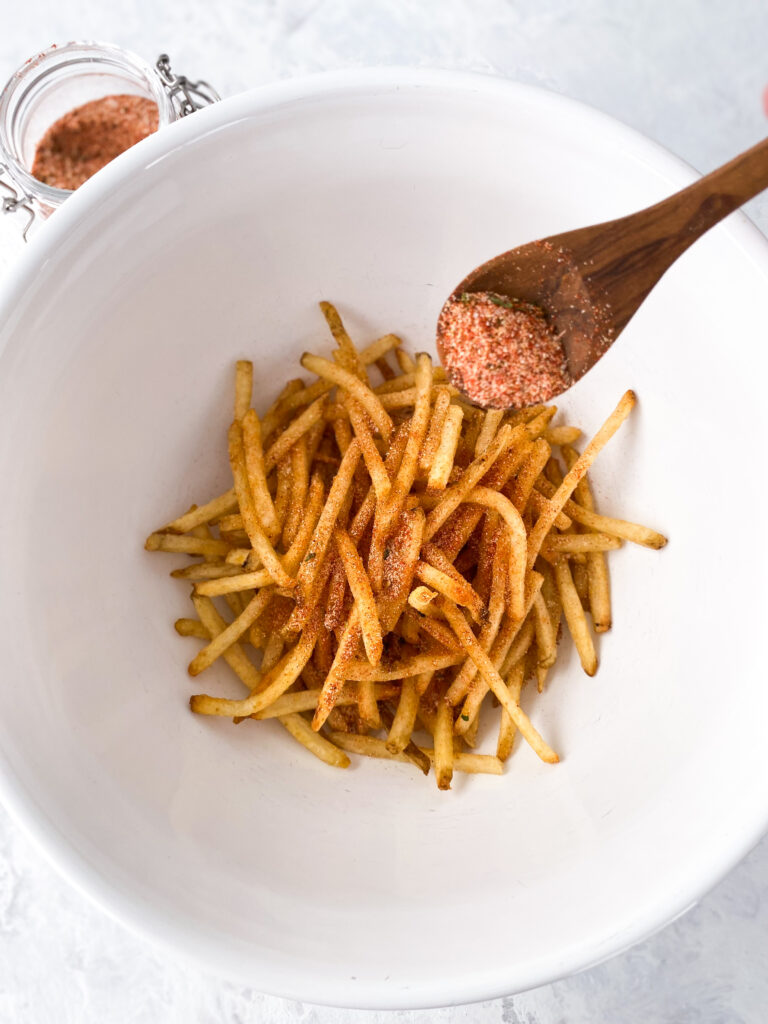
(214, 241)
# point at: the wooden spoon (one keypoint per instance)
(590, 282)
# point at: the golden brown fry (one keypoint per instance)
(243, 387)
(257, 480)
(316, 744)
(234, 584)
(186, 545)
(379, 348)
(602, 524)
(297, 428)
(234, 655)
(562, 435)
(517, 542)
(404, 361)
(360, 586)
(598, 580)
(421, 599)
(574, 616)
(443, 745)
(471, 476)
(539, 504)
(536, 460)
(546, 635)
(323, 531)
(373, 460)
(403, 723)
(442, 462)
(191, 627)
(306, 700)
(370, 746)
(348, 356)
(212, 509)
(459, 688)
(507, 727)
(273, 684)
(342, 378)
(491, 423)
(546, 520)
(403, 669)
(495, 682)
(220, 642)
(457, 590)
(435, 431)
(257, 537)
(205, 571)
(580, 543)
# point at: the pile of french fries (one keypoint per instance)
(397, 559)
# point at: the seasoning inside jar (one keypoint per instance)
(87, 138)
(501, 353)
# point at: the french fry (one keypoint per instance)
(491, 423)
(191, 627)
(517, 542)
(186, 545)
(471, 476)
(214, 625)
(546, 637)
(272, 685)
(404, 720)
(435, 431)
(574, 616)
(360, 586)
(580, 543)
(459, 591)
(495, 682)
(258, 538)
(373, 460)
(370, 746)
(507, 727)
(212, 509)
(243, 387)
(442, 463)
(298, 428)
(337, 375)
(348, 354)
(576, 513)
(536, 460)
(233, 584)
(546, 520)
(321, 537)
(316, 744)
(443, 745)
(306, 700)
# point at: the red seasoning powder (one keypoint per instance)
(501, 353)
(88, 137)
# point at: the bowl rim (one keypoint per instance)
(137, 915)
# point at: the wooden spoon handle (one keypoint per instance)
(629, 255)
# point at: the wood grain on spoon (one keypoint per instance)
(590, 282)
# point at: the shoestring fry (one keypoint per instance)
(391, 562)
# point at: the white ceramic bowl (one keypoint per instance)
(214, 240)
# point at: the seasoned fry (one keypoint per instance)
(495, 682)
(172, 542)
(360, 586)
(377, 550)
(546, 520)
(259, 540)
(442, 462)
(443, 745)
(212, 509)
(243, 387)
(370, 746)
(574, 616)
(337, 375)
(298, 428)
(316, 744)
(469, 479)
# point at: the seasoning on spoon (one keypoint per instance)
(501, 353)
(88, 137)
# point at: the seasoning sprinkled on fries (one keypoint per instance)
(392, 563)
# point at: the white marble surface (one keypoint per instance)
(689, 74)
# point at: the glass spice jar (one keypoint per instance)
(59, 80)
